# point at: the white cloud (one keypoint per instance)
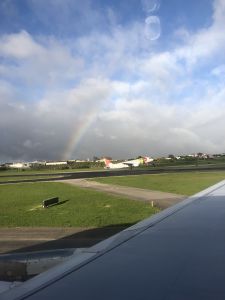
(218, 15)
(44, 61)
(219, 71)
(20, 46)
(207, 42)
(116, 93)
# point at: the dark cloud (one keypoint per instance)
(111, 94)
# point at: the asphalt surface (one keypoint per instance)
(27, 239)
(157, 198)
(108, 173)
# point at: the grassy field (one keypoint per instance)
(20, 205)
(179, 183)
(32, 172)
(16, 178)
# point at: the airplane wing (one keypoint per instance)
(178, 254)
(134, 162)
(129, 164)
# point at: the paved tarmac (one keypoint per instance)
(107, 173)
(21, 237)
(159, 199)
(27, 239)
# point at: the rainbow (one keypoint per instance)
(88, 118)
(77, 134)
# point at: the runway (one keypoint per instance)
(105, 173)
(160, 199)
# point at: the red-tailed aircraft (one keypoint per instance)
(128, 163)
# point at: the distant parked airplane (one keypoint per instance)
(128, 163)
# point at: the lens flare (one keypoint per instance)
(150, 6)
(152, 28)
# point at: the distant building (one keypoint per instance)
(38, 163)
(56, 163)
(81, 160)
(19, 165)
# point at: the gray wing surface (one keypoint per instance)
(176, 254)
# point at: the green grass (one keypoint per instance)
(16, 178)
(20, 205)
(49, 171)
(179, 183)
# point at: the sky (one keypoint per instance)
(118, 78)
